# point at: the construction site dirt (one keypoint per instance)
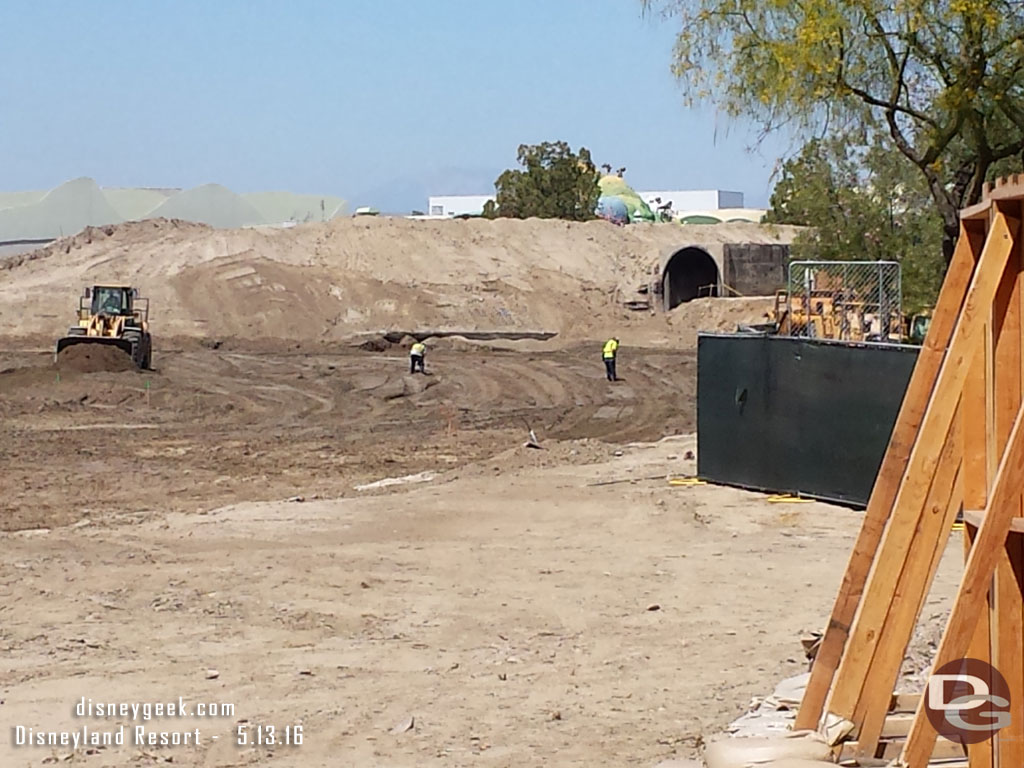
(307, 532)
(506, 604)
(208, 427)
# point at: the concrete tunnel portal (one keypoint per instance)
(689, 273)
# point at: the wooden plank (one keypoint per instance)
(981, 565)
(979, 755)
(976, 494)
(888, 563)
(1007, 621)
(976, 211)
(919, 389)
(1007, 644)
(1005, 188)
(944, 502)
(904, 702)
(895, 725)
(975, 414)
(891, 748)
(975, 516)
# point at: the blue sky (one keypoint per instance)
(378, 101)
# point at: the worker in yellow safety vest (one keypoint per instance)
(608, 353)
(416, 354)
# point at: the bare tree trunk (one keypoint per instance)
(949, 209)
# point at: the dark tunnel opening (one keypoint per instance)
(690, 273)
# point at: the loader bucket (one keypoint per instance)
(69, 341)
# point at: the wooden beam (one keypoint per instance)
(890, 750)
(884, 574)
(1007, 621)
(980, 755)
(976, 211)
(904, 702)
(977, 578)
(1004, 188)
(919, 389)
(975, 516)
(1007, 643)
(976, 446)
(945, 499)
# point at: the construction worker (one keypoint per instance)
(416, 354)
(608, 354)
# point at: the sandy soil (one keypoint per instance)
(215, 530)
(509, 611)
(210, 427)
(329, 281)
(505, 604)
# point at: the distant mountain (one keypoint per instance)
(409, 193)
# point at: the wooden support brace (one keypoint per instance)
(919, 389)
(888, 564)
(981, 754)
(1007, 629)
(1007, 641)
(944, 502)
(970, 599)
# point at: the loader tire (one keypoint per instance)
(136, 342)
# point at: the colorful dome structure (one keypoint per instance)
(614, 188)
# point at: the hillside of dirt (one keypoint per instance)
(331, 280)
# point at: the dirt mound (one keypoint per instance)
(718, 315)
(93, 358)
(351, 276)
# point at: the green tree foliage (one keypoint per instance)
(943, 78)
(863, 203)
(555, 183)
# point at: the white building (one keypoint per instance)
(682, 202)
(457, 205)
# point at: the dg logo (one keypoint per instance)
(967, 701)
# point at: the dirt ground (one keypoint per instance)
(281, 519)
(266, 421)
(563, 606)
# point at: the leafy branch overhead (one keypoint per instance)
(555, 183)
(943, 79)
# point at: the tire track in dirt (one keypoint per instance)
(213, 427)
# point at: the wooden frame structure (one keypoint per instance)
(958, 445)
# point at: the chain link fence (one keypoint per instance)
(842, 300)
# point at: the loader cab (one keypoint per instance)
(110, 300)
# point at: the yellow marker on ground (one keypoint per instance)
(785, 498)
(686, 481)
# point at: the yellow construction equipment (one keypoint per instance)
(116, 316)
(916, 327)
(827, 317)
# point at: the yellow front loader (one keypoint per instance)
(116, 316)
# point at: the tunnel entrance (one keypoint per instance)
(689, 273)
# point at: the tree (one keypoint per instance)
(943, 78)
(555, 184)
(862, 203)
